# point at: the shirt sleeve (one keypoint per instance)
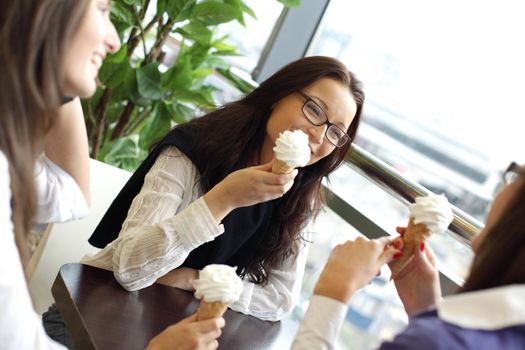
(162, 227)
(321, 324)
(20, 326)
(275, 300)
(59, 198)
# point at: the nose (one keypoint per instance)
(316, 133)
(112, 41)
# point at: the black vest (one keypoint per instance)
(244, 228)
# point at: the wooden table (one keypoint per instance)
(100, 314)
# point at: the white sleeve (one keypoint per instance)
(321, 324)
(59, 197)
(275, 300)
(20, 326)
(161, 228)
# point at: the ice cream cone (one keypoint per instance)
(209, 310)
(279, 167)
(414, 235)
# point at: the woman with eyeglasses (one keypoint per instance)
(206, 193)
(488, 311)
(50, 49)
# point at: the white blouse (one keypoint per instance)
(20, 326)
(167, 220)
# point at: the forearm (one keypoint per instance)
(144, 253)
(66, 144)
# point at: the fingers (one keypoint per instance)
(426, 253)
(211, 329)
(391, 251)
(214, 344)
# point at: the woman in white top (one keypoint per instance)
(50, 49)
(206, 193)
(488, 312)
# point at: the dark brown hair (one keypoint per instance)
(231, 137)
(33, 34)
(501, 255)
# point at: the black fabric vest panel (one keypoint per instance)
(244, 228)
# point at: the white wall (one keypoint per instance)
(68, 242)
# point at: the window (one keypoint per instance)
(443, 83)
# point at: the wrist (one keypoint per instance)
(218, 203)
(335, 289)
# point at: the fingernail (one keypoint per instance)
(397, 244)
(398, 255)
(422, 246)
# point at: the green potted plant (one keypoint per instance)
(140, 98)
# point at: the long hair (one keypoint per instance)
(231, 138)
(501, 255)
(33, 35)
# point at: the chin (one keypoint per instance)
(85, 90)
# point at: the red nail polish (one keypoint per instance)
(397, 244)
(422, 246)
(398, 255)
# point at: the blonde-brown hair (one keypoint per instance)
(33, 37)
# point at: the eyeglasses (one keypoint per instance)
(513, 172)
(317, 116)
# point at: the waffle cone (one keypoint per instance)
(209, 310)
(279, 167)
(414, 235)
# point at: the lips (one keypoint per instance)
(97, 59)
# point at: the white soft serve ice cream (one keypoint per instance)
(291, 147)
(434, 211)
(218, 283)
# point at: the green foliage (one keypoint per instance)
(140, 99)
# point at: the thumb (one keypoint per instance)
(424, 257)
(390, 253)
(264, 167)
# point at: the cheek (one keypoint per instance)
(325, 150)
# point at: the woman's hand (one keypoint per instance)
(189, 334)
(246, 187)
(418, 283)
(352, 265)
(181, 278)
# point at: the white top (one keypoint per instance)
(321, 324)
(167, 220)
(489, 309)
(20, 326)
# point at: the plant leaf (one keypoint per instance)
(182, 113)
(290, 3)
(114, 74)
(124, 153)
(239, 13)
(213, 12)
(248, 10)
(178, 77)
(197, 32)
(148, 82)
(179, 10)
(157, 124)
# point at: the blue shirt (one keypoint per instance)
(427, 331)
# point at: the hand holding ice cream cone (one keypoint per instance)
(217, 287)
(291, 151)
(428, 215)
